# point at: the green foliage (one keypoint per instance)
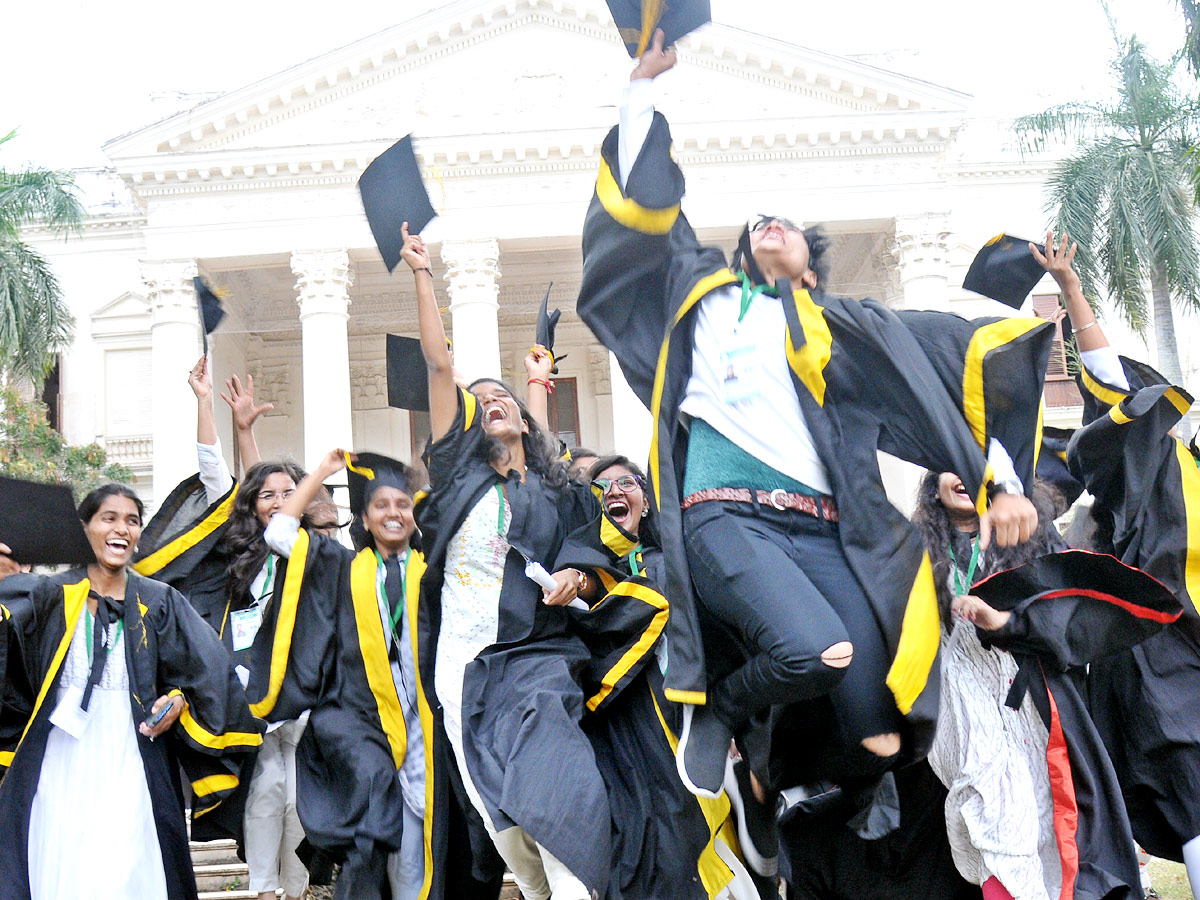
(1191, 38)
(34, 319)
(1128, 196)
(32, 450)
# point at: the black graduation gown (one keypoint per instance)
(183, 546)
(522, 696)
(322, 647)
(664, 838)
(865, 379)
(167, 648)
(1052, 634)
(1147, 513)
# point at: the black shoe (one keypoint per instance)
(756, 829)
(702, 751)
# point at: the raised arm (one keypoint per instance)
(443, 392)
(306, 491)
(241, 400)
(200, 381)
(538, 386)
(1057, 261)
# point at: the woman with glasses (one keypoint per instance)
(769, 400)
(667, 843)
(495, 645)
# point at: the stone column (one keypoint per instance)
(174, 349)
(922, 260)
(472, 268)
(322, 292)
(632, 424)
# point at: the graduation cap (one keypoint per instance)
(367, 471)
(546, 323)
(1005, 270)
(1081, 573)
(40, 524)
(392, 194)
(407, 374)
(638, 19)
(209, 306)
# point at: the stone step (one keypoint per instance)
(213, 852)
(222, 876)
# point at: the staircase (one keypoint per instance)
(220, 875)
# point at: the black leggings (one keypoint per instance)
(778, 584)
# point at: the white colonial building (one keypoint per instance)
(509, 100)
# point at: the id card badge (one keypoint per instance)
(740, 370)
(245, 624)
(69, 715)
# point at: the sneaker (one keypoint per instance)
(756, 829)
(702, 751)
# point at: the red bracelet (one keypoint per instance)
(548, 385)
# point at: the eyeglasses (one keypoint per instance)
(786, 224)
(626, 484)
(269, 496)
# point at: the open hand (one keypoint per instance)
(241, 401)
(1057, 260)
(332, 462)
(655, 60)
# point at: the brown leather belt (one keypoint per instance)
(818, 507)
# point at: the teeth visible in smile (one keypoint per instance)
(118, 543)
(495, 414)
(617, 509)
(391, 523)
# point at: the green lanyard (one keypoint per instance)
(749, 293)
(107, 647)
(269, 584)
(500, 515)
(633, 559)
(394, 615)
(958, 583)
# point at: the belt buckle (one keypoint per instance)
(776, 502)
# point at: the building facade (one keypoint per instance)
(508, 100)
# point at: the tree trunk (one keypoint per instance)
(1164, 338)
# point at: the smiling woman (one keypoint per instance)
(69, 678)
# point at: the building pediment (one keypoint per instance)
(496, 79)
(123, 317)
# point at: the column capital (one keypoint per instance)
(323, 280)
(922, 245)
(472, 268)
(170, 290)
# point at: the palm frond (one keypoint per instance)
(39, 195)
(34, 320)
(1067, 122)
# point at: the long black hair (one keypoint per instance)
(542, 453)
(244, 539)
(937, 532)
(91, 504)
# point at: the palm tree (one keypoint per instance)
(1191, 38)
(1127, 196)
(34, 319)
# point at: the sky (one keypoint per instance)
(76, 73)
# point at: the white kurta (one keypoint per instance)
(91, 827)
(470, 616)
(992, 759)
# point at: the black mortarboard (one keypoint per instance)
(392, 194)
(407, 374)
(1052, 464)
(1005, 270)
(209, 306)
(546, 323)
(40, 525)
(367, 471)
(1078, 573)
(637, 20)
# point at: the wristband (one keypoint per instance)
(547, 384)
(1083, 327)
